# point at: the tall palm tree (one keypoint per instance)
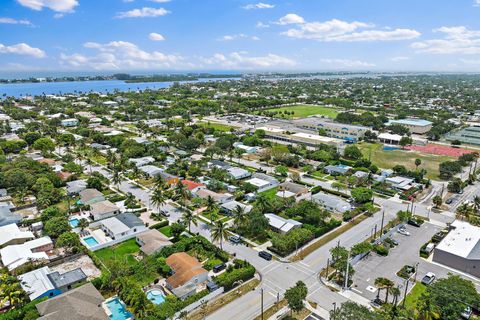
(464, 210)
(239, 216)
(157, 198)
(219, 232)
(395, 292)
(383, 283)
(211, 204)
(189, 217)
(181, 193)
(427, 310)
(117, 177)
(158, 182)
(263, 203)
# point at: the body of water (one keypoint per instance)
(101, 86)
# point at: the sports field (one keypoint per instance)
(216, 126)
(302, 111)
(388, 159)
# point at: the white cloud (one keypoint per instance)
(14, 21)
(142, 13)
(455, 40)
(55, 5)
(347, 63)
(156, 36)
(476, 3)
(291, 18)
(22, 49)
(231, 37)
(118, 55)
(239, 60)
(338, 30)
(262, 25)
(399, 59)
(259, 5)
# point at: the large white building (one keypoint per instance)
(332, 129)
(460, 249)
(418, 126)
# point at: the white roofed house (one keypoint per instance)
(331, 202)
(231, 206)
(14, 256)
(280, 224)
(103, 209)
(143, 161)
(238, 173)
(218, 197)
(69, 122)
(400, 183)
(10, 234)
(262, 182)
(123, 226)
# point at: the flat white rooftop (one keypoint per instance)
(462, 240)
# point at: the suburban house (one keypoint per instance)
(72, 122)
(291, 189)
(459, 249)
(17, 255)
(140, 162)
(231, 206)
(400, 183)
(152, 241)
(218, 164)
(331, 202)
(81, 303)
(187, 274)
(7, 216)
(103, 209)
(10, 234)
(122, 226)
(280, 224)
(262, 182)
(218, 197)
(43, 282)
(247, 149)
(76, 186)
(338, 169)
(238, 173)
(90, 196)
(150, 170)
(193, 186)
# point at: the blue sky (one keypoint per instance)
(266, 35)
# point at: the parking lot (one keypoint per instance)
(406, 253)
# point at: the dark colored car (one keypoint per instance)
(265, 255)
(219, 267)
(414, 223)
(449, 200)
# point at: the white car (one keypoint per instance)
(429, 278)
(403, 231)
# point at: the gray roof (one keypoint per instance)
(67, 278)
(219, 164)
(332, 201)
(130, 220)
(265, 177)
(82, 303)
(8, 217)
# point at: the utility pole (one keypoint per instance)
(375, 232)
(416, 271)
(261, 292)
(346, 273)
(328, 264)
(334, 310)
(381, 226)
(404, 295)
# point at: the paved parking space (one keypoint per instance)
(406, 253)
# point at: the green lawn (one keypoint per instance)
(270, 193)
(124, 251)
(302, 111)
(414, 295)
(167, 230)
(388, 159)
(216, 126)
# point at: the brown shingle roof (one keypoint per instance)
(185, 267)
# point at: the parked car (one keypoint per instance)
(467, 313)
(219, 267)
(449, 200)
(165, 213)
(403, 231)
(235, 239)
(265, 255)
(429, 278)
(414, 222)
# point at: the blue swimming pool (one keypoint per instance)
(118, 310)
(389, 148)
(156, 296)
(74, 222)
(90, 241)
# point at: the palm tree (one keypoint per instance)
(189, 217)
(116, 177)
(464, 210)
(158, 182)
(219, 232)
(181, 193)
(211, 204)
(427, 310)
(395, 291)
(476, 203)
(83, 223)
(263, 203)
(239, 216)
(383, 283)
(157, 198)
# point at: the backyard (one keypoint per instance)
(302, 111)
(386, 159)
(126, 251)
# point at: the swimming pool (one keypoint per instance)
(118, 310)
(156, 296)
(74, 222)
(90, 241)
(390, 148)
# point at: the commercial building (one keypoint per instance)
(418, 126)
(332, 129)
(460, 249)
(310, 140)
